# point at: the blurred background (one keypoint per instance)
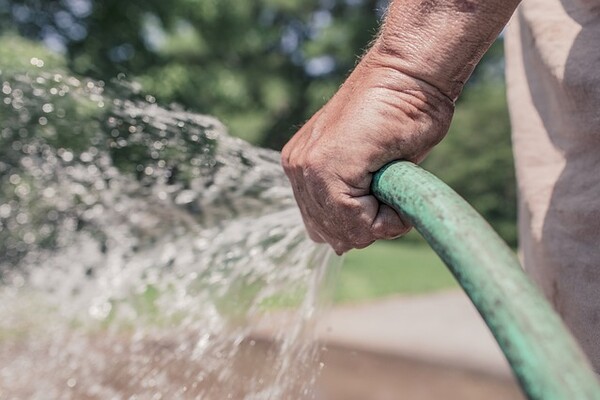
(263, 67)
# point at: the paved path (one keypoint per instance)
(442, 328)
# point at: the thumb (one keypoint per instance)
(388, 224)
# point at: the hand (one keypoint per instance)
(378, 115)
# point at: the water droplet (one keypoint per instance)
(36, 62)
(22, 191)
(29, 238)
(100, 310)
(86, 157)
(49, 192)
(14, 179)
(67, 156)
(185, 197)
(17, 94)
(22, 218)
(5, 210)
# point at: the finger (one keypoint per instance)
(356, 219)
(388, 224)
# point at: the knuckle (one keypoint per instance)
(286, 159)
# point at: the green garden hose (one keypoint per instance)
(543, 355)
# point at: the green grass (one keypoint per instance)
(391, 267)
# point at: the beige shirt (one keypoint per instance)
(553, 77)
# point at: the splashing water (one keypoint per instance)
(140, 246)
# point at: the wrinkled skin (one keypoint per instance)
(397, 104)
(379, 115)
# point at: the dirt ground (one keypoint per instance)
(110, 369)
(355, 375)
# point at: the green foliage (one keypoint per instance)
(19, 55)
(262, 67)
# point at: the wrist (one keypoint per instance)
(440, 41)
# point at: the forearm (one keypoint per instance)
(440, 41)
(396, 104)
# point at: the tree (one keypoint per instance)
(262, 67)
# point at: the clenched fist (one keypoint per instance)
(380, 114)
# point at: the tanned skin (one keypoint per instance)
(396, 104)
